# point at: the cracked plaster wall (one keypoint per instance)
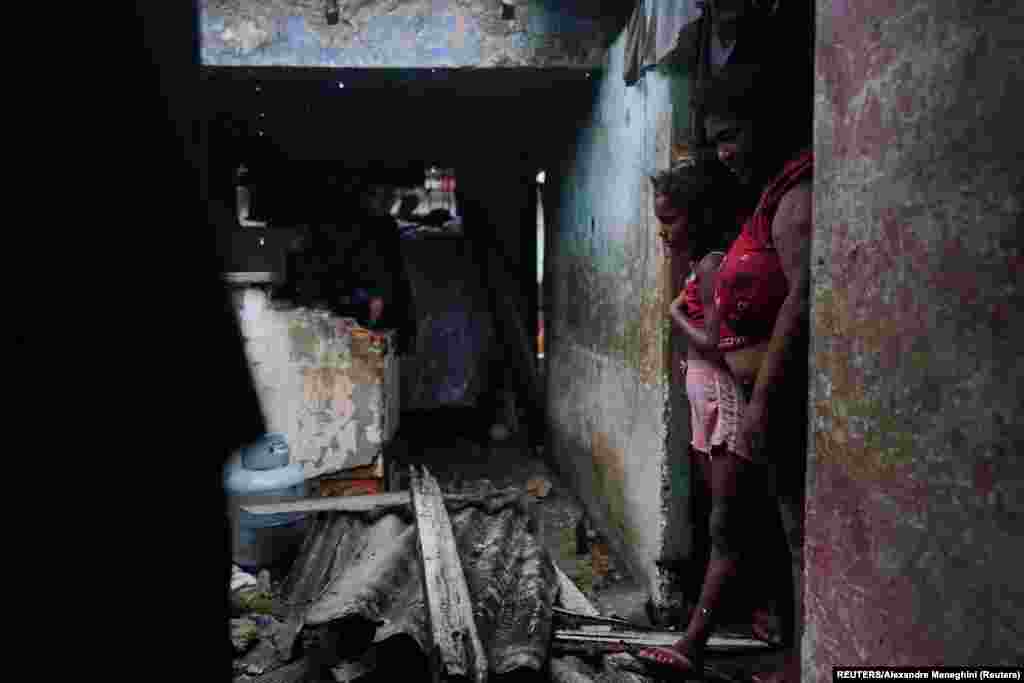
(331, 392)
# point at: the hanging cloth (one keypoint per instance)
(657, 29)
(636, 37)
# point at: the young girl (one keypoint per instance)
(697, 208)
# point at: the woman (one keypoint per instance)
(759, 316)
(714, 396)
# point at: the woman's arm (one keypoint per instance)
(791, 232)
(699, 337)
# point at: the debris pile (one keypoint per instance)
(417, 584)
(452, 585)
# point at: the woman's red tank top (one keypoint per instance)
(751, 284)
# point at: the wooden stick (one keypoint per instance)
(611, 622)
(457, 646)
(331, 504)
(364, 503)
(615, 639)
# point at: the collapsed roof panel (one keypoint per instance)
(374, 575)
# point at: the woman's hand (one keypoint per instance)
(753, 427)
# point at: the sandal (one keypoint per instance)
(670, 663)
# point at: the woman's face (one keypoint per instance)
(734, 142)
(674, 221)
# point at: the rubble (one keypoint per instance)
(244, 633)
(250, 593)
(571, 670)
(360, 586)
(360, 572)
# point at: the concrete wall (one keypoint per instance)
(609, 343)
(398, 33)
(332, 393)
(916, 476)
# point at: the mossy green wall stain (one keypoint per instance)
(611, 333)
(617, 310)
(865, 425)
(607, 475)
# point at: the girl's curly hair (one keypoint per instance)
(709, 193)
(686, 183)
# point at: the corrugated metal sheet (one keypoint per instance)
(368, 567)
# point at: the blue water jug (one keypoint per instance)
(262, 473)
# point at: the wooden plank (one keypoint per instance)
(657, 639)
(571, 597)
(364, 503)
(457, 651)
(253, 277)
(332, 504)
(609, 622)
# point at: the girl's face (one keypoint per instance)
(674, 221)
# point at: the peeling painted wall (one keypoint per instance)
(397, 33)
(608, 339)
(916, 477)
(332, 393)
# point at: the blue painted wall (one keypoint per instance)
(609, 407)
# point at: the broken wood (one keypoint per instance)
(366, 503)
(331, 504)
(457, 651)
(617, 640)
